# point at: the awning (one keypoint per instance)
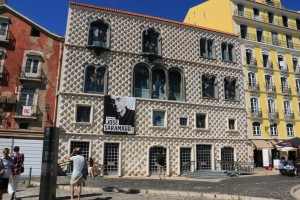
(262, 144)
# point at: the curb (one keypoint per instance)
(166, 192)
(293, 191)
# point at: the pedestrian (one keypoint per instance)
(77, 178)
(17, 160)
(5, 170)
(160, 163)
(91, 167)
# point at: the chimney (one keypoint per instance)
(3, 2)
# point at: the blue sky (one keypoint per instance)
(52, 14)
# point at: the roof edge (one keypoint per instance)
(51, 34)
(150, 17)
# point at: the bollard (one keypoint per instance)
(29, 179)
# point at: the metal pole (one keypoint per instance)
(29, 180)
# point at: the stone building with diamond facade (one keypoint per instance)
(189, 104)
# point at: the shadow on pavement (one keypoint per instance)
(94, 196)
(129, 191)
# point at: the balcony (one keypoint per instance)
(253, 86)
(283, 67)
(267, 64)
(31, 76)
(272, 3)
(255, 113)
(273, 114)
(251, 62)
(286, 90)
(271, 88)
(288, 114)
(27, 112)
(298, 91)
(297, 69)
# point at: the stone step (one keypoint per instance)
(210, 174)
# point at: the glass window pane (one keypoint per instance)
(28, 65)
(158, 84)
(208, 86)
(150, 41)
(230, 89)
(202, 47)
(200, 121)
(175, 86)
(98, 34)
(35, 66)
(158, 118)
(95, 79)
(83, 114)
(141, 82)
(210, 49)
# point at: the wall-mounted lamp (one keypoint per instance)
(47, 108)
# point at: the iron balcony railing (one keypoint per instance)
(267, 64)
(297, 69)
(27, 110)
(272, 3)
(25, 75)
(253, 86)
(265, 19)
(283, 68)
(251, 62)
(286, 90)
(255, 112)
(297, 90)
(288, 114)
(270, 88)
(273, 113)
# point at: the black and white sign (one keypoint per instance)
(119, 114)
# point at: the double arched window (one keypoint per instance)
(209, 86)
(230, 89)
(95, 79)
(99, 34)
(207, 48)
(228, 53)
(158, 83)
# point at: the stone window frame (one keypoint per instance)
(2, 60)
(235, 124)
(187, 121)
(228, 51)
(108, 33)
(166, 71)
(90, 122)
(165, 125)
(104, 81)
(237, 91)
(272, 130)
(274, 101)
(5, 19)
(206, 121)
(257, 109)
(290, 132)
(257, 131)
(35, 55)
(290, 105)
(209, 76)
(213, 48)
(159, 40)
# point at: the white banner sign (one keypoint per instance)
(26, 111)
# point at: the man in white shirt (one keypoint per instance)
(77, 176)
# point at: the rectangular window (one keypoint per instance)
(271, 17)
(275, 39)
(298, 24)
(285, 21)
(201, 121)
(83, 114)
(256, 14)
(289, 42)
(34, 32)
(259, 35)
(265, 60)
(183, 121)
(159, 118)
(290, 130)
(31, 66)
(231, 124)
(3, 29)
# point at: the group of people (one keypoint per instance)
(289, 167)
(11, 166)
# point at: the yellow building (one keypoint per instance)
(270, 48)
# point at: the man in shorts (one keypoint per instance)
(160, 163)
(77, 176)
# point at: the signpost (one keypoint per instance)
(49, 165)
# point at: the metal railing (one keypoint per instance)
(186, 167)
(273, 113)
(283, 68)
(267, 64)
(272, 3)
(286, 90)
(27, 110)
(236, 166)
(298, 90)
(297, 69)
(39, 75)
(270, 88)
(253, 86)
(252, 62)
(255, 112)
(288, 114)
(66, 167)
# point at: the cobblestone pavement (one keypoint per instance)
(270, 186)
(32, 194)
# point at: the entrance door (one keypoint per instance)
(154, 151)
(85, 151)
(111, 158)
(258, 160)
(203, 157)
(227, 158)
(185, 159)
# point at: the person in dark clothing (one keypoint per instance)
(160, 163)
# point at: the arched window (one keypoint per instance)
(209, 88)
(151, 41)
(175, 85)
(162, 84)
(141, 81)
(99, 34)
(207, 48)
(231, 92)
(158, 83)
(94, 79)
(290, 130)
(256, 129)
(228, 52)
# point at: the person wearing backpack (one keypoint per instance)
(5, 170)
(160, 163)
(17, 164)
